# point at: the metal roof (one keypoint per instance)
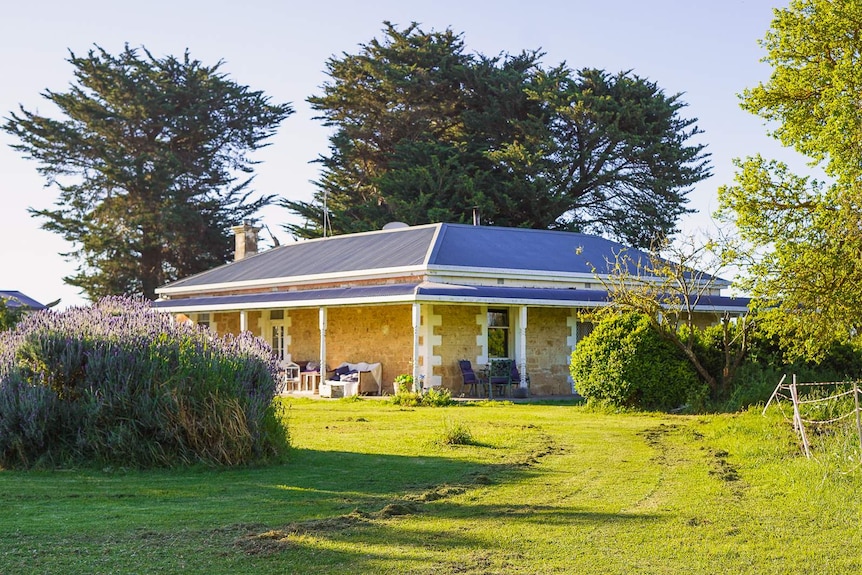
(420, 249)
(386, 249)
(15, 299)
(525, 249)
(419, 292)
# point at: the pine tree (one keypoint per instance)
(425, 132)
(151, 160)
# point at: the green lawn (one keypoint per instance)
(543, 489)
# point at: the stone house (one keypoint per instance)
(415, 299)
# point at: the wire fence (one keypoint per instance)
(817, 405)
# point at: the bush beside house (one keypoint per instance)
(624, 362)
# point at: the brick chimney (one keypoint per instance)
(246, 240)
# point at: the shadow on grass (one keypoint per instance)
(321, 512)
(472, 536)
(312, 484)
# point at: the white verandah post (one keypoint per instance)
(417, 321)
(522, 344)
(322, 314)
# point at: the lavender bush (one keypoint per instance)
(118, 383)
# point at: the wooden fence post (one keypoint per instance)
(797, 417)
(858, 421)
(774, 393)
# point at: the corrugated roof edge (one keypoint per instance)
(180, 281)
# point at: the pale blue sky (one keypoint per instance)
(706, 49)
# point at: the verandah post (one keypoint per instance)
(417, 321)
(322, 319)
(522, 340)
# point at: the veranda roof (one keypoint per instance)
(418, 292)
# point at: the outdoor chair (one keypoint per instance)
(500, 375)
(469, 379)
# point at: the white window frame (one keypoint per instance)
(274, 331)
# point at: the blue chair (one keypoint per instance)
(469, 379)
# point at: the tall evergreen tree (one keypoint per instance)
(619, 157)
(151, 161)
(425, 132)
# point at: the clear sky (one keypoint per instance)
(706, 50)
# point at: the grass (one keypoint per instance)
(370, 488)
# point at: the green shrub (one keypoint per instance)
(406, 399)
(117, 383)
(434, 397)
(626, 363)
(9, 316)
(437, 397)
(767, 361)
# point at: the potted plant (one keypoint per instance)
(403, 383)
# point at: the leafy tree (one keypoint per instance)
(666, 291)
(805, 236)
(425, 132)
(147, 161)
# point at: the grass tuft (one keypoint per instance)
(456, 433)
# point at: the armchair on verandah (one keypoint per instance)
(500, 375)
(469, 379)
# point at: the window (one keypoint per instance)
(204, 319)
(498, 333)
(584, 329)
(277, 332)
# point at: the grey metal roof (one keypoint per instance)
(439, 245)
(525, 249)
(407, 292)
(15, 299)
(571, 296)
(585, 297)
(337, 254)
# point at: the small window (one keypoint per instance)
(204, 319)
(276, 314)
(498, 333)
